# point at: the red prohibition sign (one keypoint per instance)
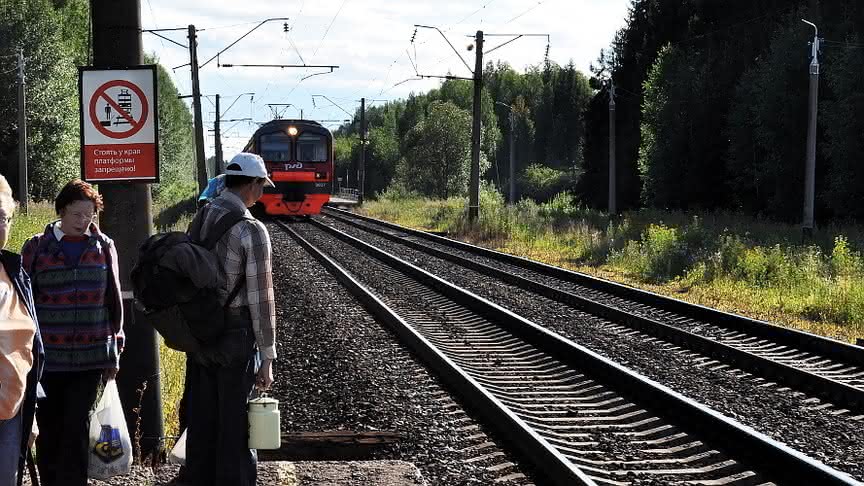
(102, 92)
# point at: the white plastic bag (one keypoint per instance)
(178, 452)
(110, 447)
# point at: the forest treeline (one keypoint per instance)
(711, 114)
(54, 38)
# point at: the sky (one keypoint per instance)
(370, 41)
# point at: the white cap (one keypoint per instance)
(250, 165)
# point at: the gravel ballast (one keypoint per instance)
(809, 426)
(338, 369)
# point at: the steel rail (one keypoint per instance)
(757, 450)
(792, 337)
(543, 455)
(833, 390)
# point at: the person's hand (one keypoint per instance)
(34, 433)
(265, 375)
(109, 374)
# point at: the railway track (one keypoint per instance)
(577, 416)
(818, 366)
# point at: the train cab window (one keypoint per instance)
(275, 147)
(311, 148)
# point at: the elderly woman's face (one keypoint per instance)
(5, 224)
(76, 217)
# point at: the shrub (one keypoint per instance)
(844, 261)
(659, 256)
(397, 192)
(542, 183)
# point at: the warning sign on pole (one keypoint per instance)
(119, 124)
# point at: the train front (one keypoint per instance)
(299, 158)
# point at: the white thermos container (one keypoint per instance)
(264, 429)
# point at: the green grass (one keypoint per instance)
(173, 366)
(26, 225)
(721, 259)
(172, 363)
(172, 217)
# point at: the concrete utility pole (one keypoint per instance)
(613, 208)
(23, 192)
(512, 138)
(196, 106)
(477, 79)
(474, 190)
(218, 140)
(512, 157)
(810, 168)
(127, 219)
(362, 179)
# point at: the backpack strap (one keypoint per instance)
(218, 230)
(234, 293)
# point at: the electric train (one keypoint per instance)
(299, 159)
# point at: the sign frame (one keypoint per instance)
(153, 111)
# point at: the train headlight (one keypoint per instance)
(320, 175)
(292, 131)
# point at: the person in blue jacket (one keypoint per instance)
(21, 353)
(215, 186)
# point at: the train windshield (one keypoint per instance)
(275, 147)
(311, 148)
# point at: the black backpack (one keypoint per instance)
(185, 314)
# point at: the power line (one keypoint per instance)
(469, 16)
(270, 80)
(411, 42)
(387, 77)
(299, 13)
(332, 21)
(162, 41)
(296, 49)
(228, 26)
(541, 2)
(314, 54)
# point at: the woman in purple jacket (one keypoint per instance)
(76, 291)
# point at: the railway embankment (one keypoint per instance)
(729, 261)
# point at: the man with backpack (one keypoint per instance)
(221, 374)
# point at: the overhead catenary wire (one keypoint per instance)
(327, 31)
(448, 29)
(153, 16)
(413, 64)
(541, 2)
(296, 49)
(315, 53)
(287, 35)
(414, 44)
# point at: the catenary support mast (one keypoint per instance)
(127, 219)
